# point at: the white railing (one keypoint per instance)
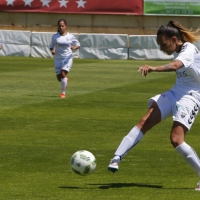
(93, 46)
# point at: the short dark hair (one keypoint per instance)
(61, 20)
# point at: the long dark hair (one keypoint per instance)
(61, 20)
(173, 28)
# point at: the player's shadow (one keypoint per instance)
(121, 185)
(107, 186)
(116, 185)
(43, 95)
(70, 187)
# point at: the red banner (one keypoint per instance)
(74, 6)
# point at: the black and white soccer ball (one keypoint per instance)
(83, 162)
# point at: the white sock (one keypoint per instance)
(63, 85)
(190, 156)
(128, 142)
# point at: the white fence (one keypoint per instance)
(94, 46)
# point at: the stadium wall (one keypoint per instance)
(93, 46)
(85, 23)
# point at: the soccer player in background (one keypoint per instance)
(62, 45)
(182, 101)
(0, 46)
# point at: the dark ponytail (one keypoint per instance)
(173, 28)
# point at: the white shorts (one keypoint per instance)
(63, 64)
(183, 109)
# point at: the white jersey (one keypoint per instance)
(62, 44)
(188, 76)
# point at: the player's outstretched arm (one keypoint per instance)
(173, 66)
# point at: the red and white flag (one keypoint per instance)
(74, 6)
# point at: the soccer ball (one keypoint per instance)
(83, 162)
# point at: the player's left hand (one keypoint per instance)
(145, 69)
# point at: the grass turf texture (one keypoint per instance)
(39, 132)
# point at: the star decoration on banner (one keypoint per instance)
(27, 2)
(45, 2)
(81, 3)
(63, 3)
(10, 2)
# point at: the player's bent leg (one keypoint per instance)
(198, 186)
(128, 142)
(113, 166)
(58, 77)
(63, 80)
(134, 136)
(178, 133)
(150, 119)
(190, 156)
(187, 152)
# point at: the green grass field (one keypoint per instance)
(39, 132)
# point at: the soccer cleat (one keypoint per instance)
(113, 166)
(198, 186)
(62, 96)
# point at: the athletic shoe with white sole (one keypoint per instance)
(198, 186)
(113, 166)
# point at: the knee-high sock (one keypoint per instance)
(190, 156)
(63, 85)
(128, 142)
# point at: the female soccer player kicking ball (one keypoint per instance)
(182, 101)
(62, 45)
